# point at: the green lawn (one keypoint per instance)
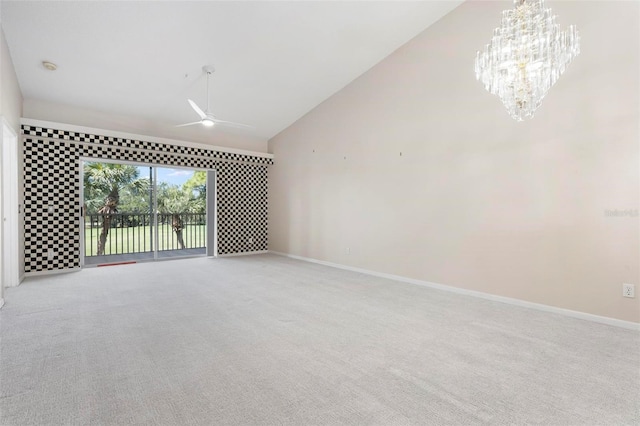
(136, 239)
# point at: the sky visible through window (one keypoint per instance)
(171, 176)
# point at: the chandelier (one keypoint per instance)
(526, 56)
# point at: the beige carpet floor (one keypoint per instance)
(267, 340)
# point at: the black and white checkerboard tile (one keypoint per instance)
(52, 191)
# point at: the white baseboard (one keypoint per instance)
(247, 253)
(517, 302)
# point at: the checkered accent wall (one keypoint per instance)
(245, 201)
(52, 191)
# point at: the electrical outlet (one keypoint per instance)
(628, 290)
(50, 254)
(348, 250)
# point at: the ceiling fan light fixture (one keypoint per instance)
(207, 118)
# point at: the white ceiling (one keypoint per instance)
(274, 60)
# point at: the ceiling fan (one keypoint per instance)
(207, 118)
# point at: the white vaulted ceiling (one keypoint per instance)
(274, 61)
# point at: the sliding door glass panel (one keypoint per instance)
(181, 212)
(118, 220)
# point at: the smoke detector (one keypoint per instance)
(49, 65)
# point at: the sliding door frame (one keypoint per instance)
(211, 203)
(212, 206)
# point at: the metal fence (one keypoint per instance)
(142, 233)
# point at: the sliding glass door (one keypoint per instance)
(181, 213)
(134, 212)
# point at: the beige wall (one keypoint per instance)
(11, 96)
(11, 110)
(47, 111)
(415, 170)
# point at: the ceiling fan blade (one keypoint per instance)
(189, 124)
(230, 123)
(197, 109)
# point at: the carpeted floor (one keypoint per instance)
(266, 340)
